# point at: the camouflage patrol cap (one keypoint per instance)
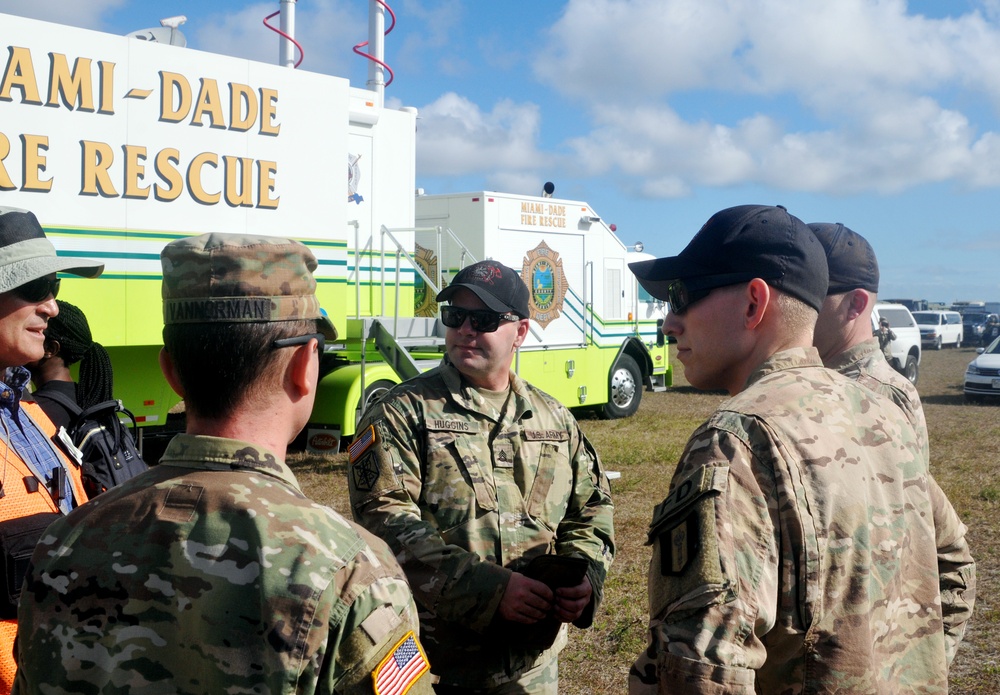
(238, 278)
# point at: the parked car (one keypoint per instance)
(906, 347)
(982, 376)
(939, 328)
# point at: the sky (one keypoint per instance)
(880, 114)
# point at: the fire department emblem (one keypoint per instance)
(423, 299)
(353, 178)
(542, 272)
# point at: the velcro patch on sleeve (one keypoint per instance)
(679, 546)
(401, 668)
(684, 534)
(684, 493)
(362, 442)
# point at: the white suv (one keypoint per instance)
(906, 347)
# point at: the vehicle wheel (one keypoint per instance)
(958, 343)
(624, 389)
(912, 370)
(937, 343)
(374, 392)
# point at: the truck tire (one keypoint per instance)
(938, 343)
(373, 392)
(912, 370)
(624, 389)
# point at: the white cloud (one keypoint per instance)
(89, 15)
(841, 97)
(455, 137)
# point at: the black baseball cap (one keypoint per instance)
(499, 287)
(849, 257)
(741, 243)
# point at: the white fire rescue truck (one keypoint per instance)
(120, 145)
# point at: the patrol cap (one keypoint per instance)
(499, 287)
(239, 278)
(26, 254)
(741, 243)
(849, 257)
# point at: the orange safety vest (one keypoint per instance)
(18, 502)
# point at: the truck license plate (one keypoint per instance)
(996, 383)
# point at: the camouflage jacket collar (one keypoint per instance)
(201, 452)
(465, 395)
(853, 355)
(793, 358)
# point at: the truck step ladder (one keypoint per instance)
(394, 338)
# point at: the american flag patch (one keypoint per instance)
(400, 670)
(361, 442)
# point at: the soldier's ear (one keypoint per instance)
(302, 370)
(170, 372)
(860, 301)
(757, 296)
(522, 333)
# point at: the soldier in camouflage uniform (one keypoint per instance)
(845, 343)
(478, 481)
(796, 549)
(212, 572)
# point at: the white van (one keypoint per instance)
(939, 328)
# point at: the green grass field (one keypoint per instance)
(965, 458)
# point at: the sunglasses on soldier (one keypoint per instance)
(482, 320)
(681, 294)
(300, 340)
(38, 290)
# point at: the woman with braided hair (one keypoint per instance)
(68, 341)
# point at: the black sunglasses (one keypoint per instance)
(482, 320)
(681, 294)
(300, 340)
(39, 289)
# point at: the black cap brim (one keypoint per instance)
(655, 275)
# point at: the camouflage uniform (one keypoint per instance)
(464, 494)
(224, 577)
(796, 550)
(865, 364)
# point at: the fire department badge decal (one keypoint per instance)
(542, 272)
(423, 299)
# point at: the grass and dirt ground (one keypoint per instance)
(965, 459)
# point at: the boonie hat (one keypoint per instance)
(26, 254)
(499, 287)
(849, 257)
(741, 243)
(238, 278)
